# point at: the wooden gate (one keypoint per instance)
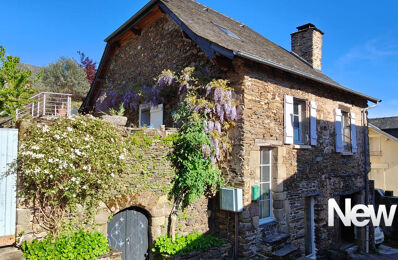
(128, 233)
(8, 181)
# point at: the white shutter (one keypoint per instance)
(353, 134)
(313, 133)
(339, 131)
(288, 119)
(157, 116)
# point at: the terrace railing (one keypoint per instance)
(47, 104)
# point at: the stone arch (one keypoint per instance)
(129, 232)
(157, 207)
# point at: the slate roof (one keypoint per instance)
(385, 122)
(205, 23)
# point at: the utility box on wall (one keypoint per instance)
(231, 199)
(255, 192)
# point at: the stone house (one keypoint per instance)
(301, 137)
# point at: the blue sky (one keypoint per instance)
(360, 42)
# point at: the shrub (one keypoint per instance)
(80, 245)
(70, 162)
(164, 245)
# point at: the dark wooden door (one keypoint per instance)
(128, 233)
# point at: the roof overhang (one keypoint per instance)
(132, 21)
(379, 131)
(210, 48)
(303, 74)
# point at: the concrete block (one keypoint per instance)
(158, 221)
(24, 216)
(279, 196)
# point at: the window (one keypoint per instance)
(265, 202)
(346, 133)
(227, 32)
(346, 127)
(151, 116)
(300, 122)
(145, 117)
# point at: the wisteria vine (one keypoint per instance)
(213, 100)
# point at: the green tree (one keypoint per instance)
(15, 85)
(65, 76)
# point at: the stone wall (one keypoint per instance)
(299, 171)
(150, 195)
(161, 45)
(307, 43)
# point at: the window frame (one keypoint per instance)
(303, 119)
(345, 115)
(152, 110)
(270, 165)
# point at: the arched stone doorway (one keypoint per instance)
(128, 232)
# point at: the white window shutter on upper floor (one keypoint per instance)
(157, 116)
(288, 120)
(353, 134)
(339, 131)
(313, 132)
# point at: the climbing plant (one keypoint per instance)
(67, 163)
(67, 166)
(206, 111)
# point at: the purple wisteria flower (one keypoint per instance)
(165, 80)
(210, 125)
(233, 113)
(212, 159)
(217, 126)
(197, 108)
(218, 109)
(216, 94)
(229, 94)
(227, 109)
(222, 93)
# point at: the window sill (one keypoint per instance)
(266, 221)
(347, 153)
(301, 146)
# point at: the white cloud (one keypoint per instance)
(373, 49)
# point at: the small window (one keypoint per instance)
(151, 116)
(227, 32)
(265, 202)
(145, 117)
(346, 127)
(300, 122)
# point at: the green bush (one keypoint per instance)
(195, 241)
(80, 245)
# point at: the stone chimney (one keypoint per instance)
(307, 43)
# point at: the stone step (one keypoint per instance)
(304, 258)
(10, 253)
(285, 252)
(276, 238)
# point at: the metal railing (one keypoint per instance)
(47, 104)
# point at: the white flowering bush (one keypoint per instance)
(70, 162)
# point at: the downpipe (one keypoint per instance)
(366, 177)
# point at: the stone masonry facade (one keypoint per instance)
(298, 171)
(155, 203)
(307, 43)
